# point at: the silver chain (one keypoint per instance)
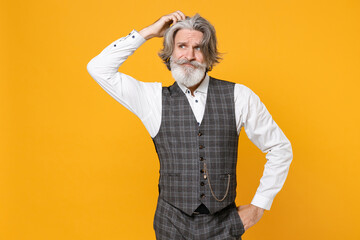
(212, 192)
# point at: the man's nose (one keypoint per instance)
(190, 54)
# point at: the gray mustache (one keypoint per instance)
(193, 63)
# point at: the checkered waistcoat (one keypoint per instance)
(183, 147)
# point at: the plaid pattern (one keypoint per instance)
(171, 223)
(183, 146)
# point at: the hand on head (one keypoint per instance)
(158, 28)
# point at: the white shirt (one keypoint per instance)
(144, 100)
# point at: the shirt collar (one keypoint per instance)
(203, 87)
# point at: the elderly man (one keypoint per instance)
(195, 126)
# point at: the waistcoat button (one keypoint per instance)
(202, 170)
(201, 147)
(199, 134)
(202, 184)
(202, 195)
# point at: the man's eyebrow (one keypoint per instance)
(180, 43)
(184, 43)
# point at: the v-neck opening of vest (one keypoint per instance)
(206, 105)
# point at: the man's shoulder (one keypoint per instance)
(172, 89)
(240, 88)
(220, 81)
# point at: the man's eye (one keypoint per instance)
(197, 48)
(181, 46)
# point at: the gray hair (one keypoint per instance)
(208, 45)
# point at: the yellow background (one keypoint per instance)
(75, 164)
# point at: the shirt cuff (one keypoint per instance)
(134, 38)
(138, 39)
(262, 202)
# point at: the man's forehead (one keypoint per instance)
(187, 35)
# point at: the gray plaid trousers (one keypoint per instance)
(170, 223)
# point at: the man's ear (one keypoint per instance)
(167, 62)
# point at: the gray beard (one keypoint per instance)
(187, 75)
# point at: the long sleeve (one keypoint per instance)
(262, 130)
(141, 98)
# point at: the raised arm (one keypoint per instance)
(141, 98)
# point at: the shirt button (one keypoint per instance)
(196, 100)
(133, 36)
(202, 184)
(114, 45)
(202, 195)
